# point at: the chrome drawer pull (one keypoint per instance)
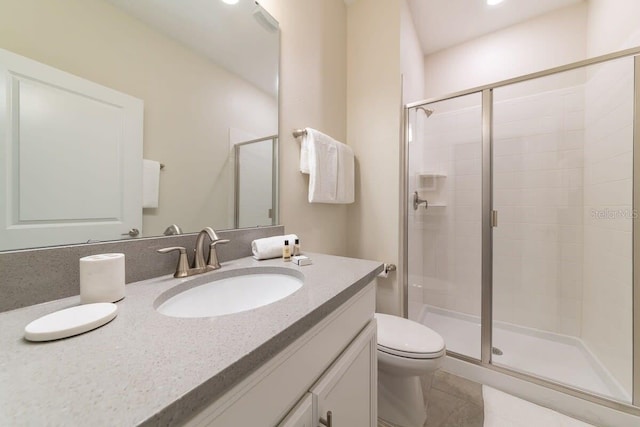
(328, 422)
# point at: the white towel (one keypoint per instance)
(150, 183)
(304, 151)
(346, 175)
(330, 165)
(323, 168)
(271, 247)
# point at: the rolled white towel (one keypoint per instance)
(271, 247)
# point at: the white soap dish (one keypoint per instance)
(70, 321)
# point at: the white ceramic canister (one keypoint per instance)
(102, 278)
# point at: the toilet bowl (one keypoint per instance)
(408, 355)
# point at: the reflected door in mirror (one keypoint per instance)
(255, 164)
(72, 157)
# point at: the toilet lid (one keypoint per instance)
(407, 338)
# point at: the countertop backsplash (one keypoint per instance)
(34, 276)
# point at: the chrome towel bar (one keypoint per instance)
(297, 133)
(389, 267)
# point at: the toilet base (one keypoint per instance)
(401, 400)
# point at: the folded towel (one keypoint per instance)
(323, 167)
(150, 183)
(271, 247)
(330, 165)
(304, 151)
(345, 192)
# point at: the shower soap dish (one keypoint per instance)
(70, 321)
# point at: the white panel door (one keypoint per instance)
(349, 388)
(71, 166)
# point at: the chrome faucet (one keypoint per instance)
(172, 230)
(199, 265)
(198, 259)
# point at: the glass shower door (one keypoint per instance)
(255, 182)
(444, 220)
(562, 161)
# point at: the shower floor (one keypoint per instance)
(559, 358)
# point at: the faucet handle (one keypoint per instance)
(213, 254)
(182, 269)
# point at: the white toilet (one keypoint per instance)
(407, 352)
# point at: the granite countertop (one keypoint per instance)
(144, 368)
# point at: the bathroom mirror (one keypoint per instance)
(207, 75)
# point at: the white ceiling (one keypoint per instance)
(229, 35)
(444, 23)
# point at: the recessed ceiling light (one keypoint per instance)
(236, 1)
(494, 2)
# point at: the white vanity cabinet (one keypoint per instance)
(348, 388)
(332, 367)
(301, 415)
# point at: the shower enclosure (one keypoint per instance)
(255, 182)
(520, 222)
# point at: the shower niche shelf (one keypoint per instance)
(429, 181)
(430, 175)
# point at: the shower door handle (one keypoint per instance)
(417, 201)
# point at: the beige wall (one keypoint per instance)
(313, 94)
(550, 40)
(373, 111)
(612, 25)
(411, 58)
(343, 66)
(189, 102)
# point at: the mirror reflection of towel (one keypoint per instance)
(150, 183)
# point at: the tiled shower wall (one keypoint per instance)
(608, 173)
(538, 193)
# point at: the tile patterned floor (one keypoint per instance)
(458, 402)
(454, 401)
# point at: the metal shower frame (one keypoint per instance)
(487, 244)
(275, 196)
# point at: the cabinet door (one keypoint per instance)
(349, 388)
(301, 415)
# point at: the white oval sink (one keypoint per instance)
(229, 292)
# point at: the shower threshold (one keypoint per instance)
(556, 357)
